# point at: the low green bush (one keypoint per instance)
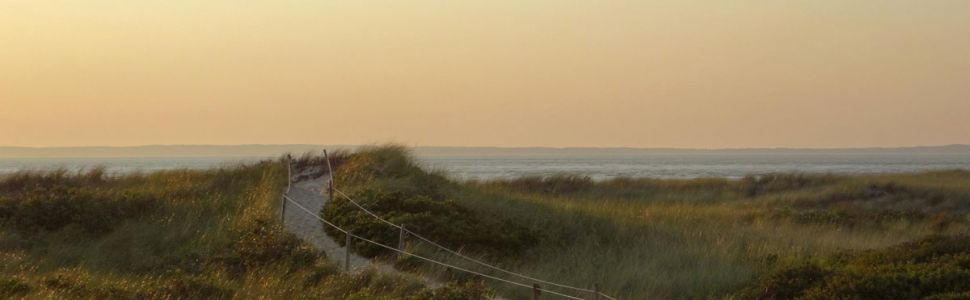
(443, 221)
(186, 286)
(470, 290)
(552, 185)
(752, 186)
(937, 266)
(94, 211)
(12, 287)
(387, 181)
(264, 244)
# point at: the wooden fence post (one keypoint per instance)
(283, 209)
(347, 251)
(289, 171)
(400, 241)
(289, 180)
(536, 291)
(596, 291)
(330, 172)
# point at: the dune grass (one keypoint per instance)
(215, 234)
(650, 238)
(170, 235)
(707, 238)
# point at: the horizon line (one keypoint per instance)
(499, 147)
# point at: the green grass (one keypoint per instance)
(936, 267)
(171, 235)
(392, 186)
(215, 234)
(708, 237)
(650, 238)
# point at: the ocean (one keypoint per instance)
(492, 163)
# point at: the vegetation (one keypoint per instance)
(936, 267)
(214, 234)
(651, 238)
(388, 182)
(174, 234)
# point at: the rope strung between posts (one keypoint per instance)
(366, 210)
(301, 207)
(456, 253)
(334, 190)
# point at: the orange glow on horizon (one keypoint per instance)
(486, 73)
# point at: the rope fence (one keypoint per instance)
(465, 257)
(399, 251)
(333, 191)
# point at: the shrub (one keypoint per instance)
(934, 266)
(553, 185)
(443, 221)
(470, 290)
(26, 181)
(13, 287)
(185, 286)
(93, 211)
(788, 283)
(388, 182)
(77, 284)
(752, 186)
(263, 244)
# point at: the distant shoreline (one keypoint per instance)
(276, 150)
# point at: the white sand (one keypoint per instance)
(311, 194)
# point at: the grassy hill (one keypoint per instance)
(215, 234)
(169, 235)
(647, 238)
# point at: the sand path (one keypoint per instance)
(310, 193)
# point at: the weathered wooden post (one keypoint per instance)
(289, 171)
(283, 209)
(347, 251)
(289, 180)
(330, 172)
(536, 291)
(400, 241)
(596, 291)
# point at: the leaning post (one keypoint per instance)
(329, 171)
(289, 180)
(347, 252)
(400, 241)
(283, 209)
(289, 171)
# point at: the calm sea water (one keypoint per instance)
(695, 165)
(598, 166)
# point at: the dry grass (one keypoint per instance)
(700, 238)
(168, 235)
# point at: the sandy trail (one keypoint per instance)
(310, 193)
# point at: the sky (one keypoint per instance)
(677, 73)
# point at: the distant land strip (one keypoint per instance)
(257, 150)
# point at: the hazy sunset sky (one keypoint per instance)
(642, 73)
